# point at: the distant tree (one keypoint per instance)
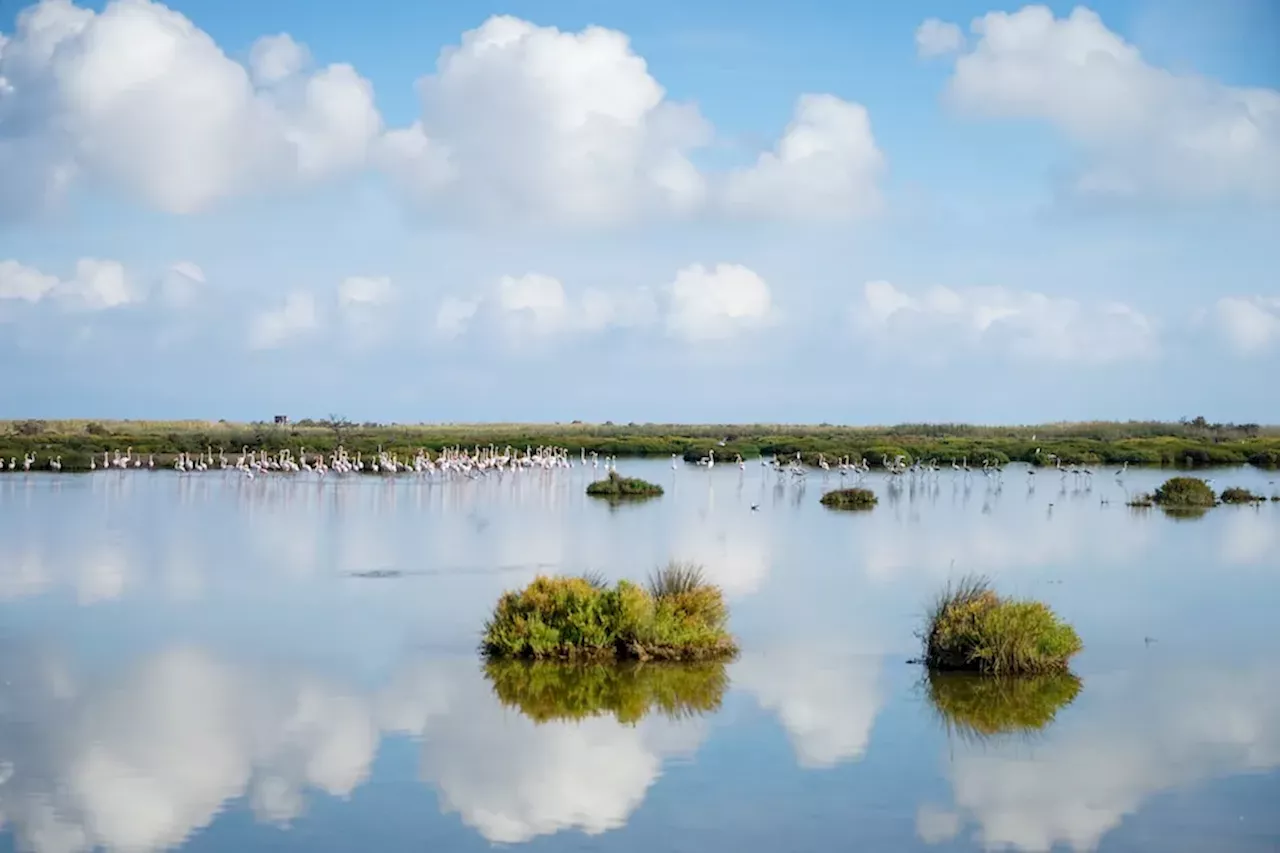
(338, 424)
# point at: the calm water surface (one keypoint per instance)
(188, 661)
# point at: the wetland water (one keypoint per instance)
(193, 661)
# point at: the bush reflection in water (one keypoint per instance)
(550, 690)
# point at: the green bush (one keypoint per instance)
(680, 617)
(1185, 492)
(1238, 495)
(850, 499)
(616, 486)
(554, 690)
(971, 628)
(984, 706)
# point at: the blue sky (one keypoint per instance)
(558, 210)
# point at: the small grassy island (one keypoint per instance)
(545, 691)
(971, 628)
(677, 616)
(1238, 495)
(1185, 493)
(850, 499)
(618, 487)
(976, 707)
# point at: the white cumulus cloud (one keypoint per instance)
(365, 290)
(938, 38)
(275, 327)
(710, 304)
(95, 285)
(1142, 130)
(1022, 323)
(1251, 325)
(826, 165)
(454, 314)
(538, 306)
(522, 119)
(139, 99)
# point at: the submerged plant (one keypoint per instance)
(681, 617)
(1185, 492)
(850, 499)
(976, 706)
(554, 690)
(970, 627)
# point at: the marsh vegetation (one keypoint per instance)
(676, 616)
(1239, 495)
(554, 690)
(971, 628)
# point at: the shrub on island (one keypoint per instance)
(971, 628)
(1238, 495)
(555, 690)
(616, 486)
(676, 616)
(850, 499)
(1185, 492)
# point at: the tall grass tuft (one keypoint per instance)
(681, 617)
(969, 627)
(596, 578)
(675, 578)
(553, 690)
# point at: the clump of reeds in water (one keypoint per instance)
(1185, 492)
(617, 486)
(971, 628)
(678, 615)
(850, 499)
(555, 690)
(1239, 495)
(978, 706)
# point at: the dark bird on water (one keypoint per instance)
(755, 507)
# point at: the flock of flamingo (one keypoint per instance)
(484, 460)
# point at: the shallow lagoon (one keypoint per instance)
(194, 660)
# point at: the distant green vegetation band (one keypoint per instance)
(1194, 443)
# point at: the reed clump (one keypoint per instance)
(975, 706)
(677, 616)
(850, 499)
(617, 486)
(1185, 492)
(1239, 495)
(546, 691)
(971, 628)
